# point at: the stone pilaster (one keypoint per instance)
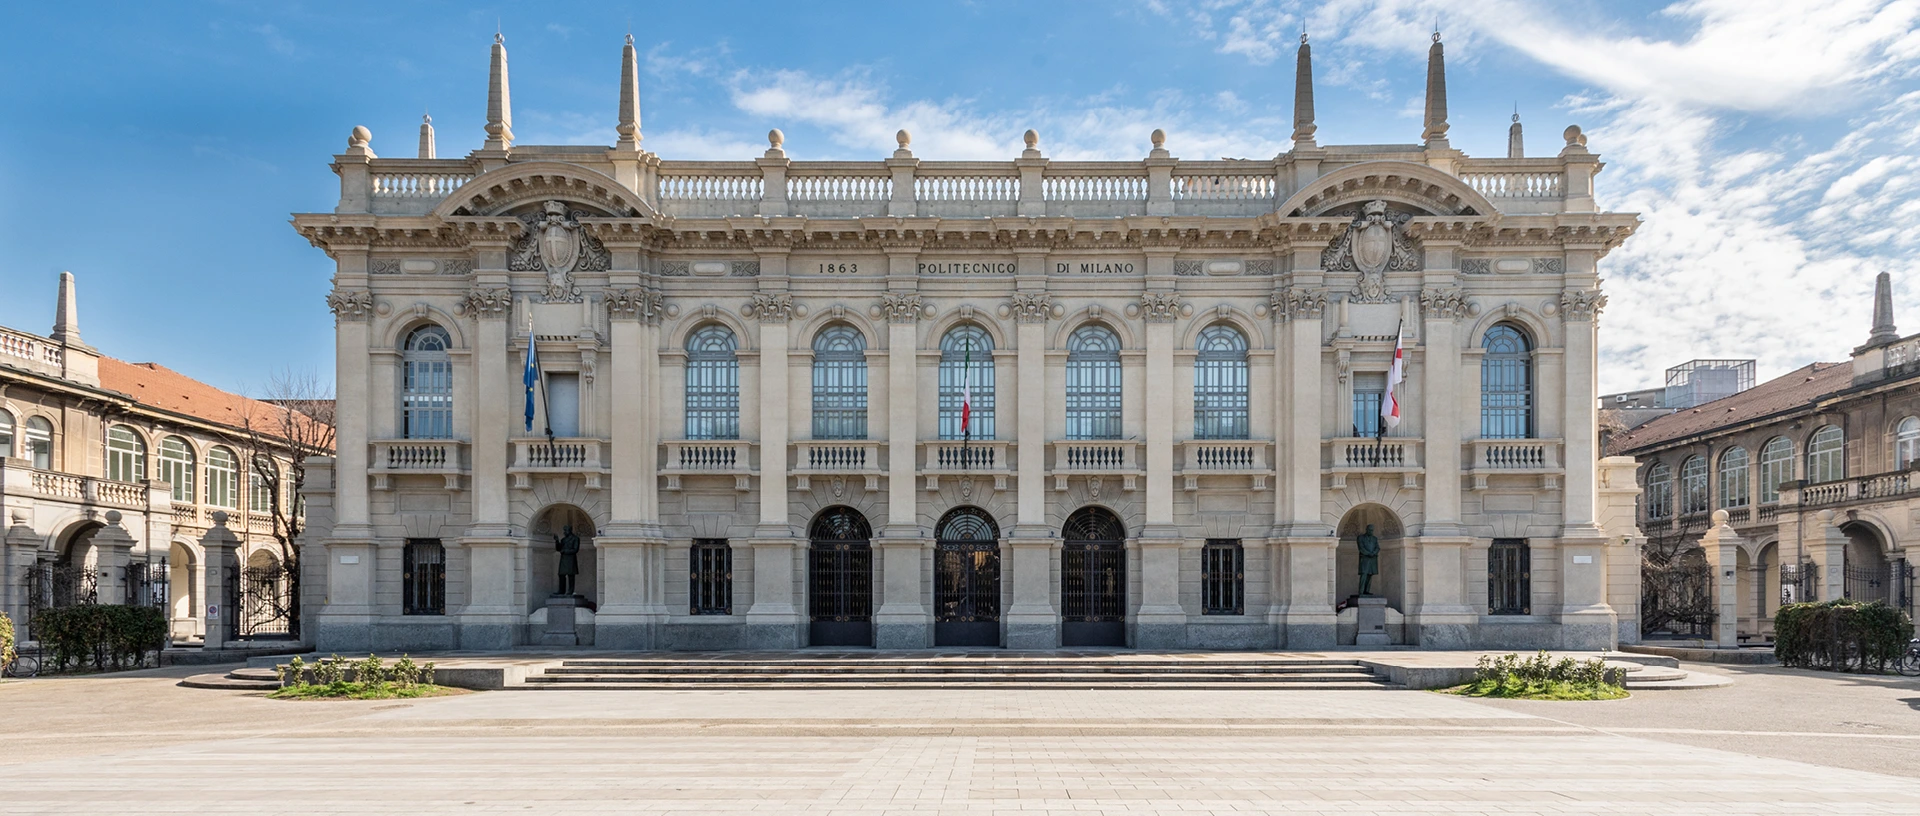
(774, 620)
(631, 551)
(1160, 622)
(1304, 543)
(1032, 547)
(902, 620)
(492, 619)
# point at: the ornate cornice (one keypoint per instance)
(486, 302)
(1298, 302)
(902, 308)
(351, 304)
(635, 304)
(1160, 307)
(1444, 302)
(770, 307)
(1583, 305)
(1031, 307)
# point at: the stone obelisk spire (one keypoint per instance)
(1436, 94)
(1883, 330)
(629, 126)
(499, 106)
(1515, 149)
(1303, 126)
(66, 316)
(426, 136)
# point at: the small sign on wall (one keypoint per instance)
(213, 611)
(349, 559)
(1583, 559)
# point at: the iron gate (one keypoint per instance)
(147, 584)
(1867, 584)
(1093, 580)
(966, 580)
(840, 579)
(259, 603)
(1798, 582)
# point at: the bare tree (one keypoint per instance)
(1676, 583)
(290, 424)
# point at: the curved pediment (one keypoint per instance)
(1419, 188)
(515, 186)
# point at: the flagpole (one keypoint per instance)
(1399, 366)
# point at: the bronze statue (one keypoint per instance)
(568, 546)
(1369, 559)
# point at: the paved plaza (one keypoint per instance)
(1775, 741)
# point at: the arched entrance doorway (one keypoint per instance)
(1093, 579)
(840, 579)
(1866, 565)
(265, 606)
(1389, 565)
(966, 579)
(182, 569)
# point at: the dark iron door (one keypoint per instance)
(840, 579)
(966, 580)
(1093, 580)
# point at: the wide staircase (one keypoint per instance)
(982, 669)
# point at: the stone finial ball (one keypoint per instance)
(360, 136)
(1574, 136)
(220, 517)
(1033, 139)
(1719, 517)
(776, 138)
(1159, 138)
(904, 138)
(113, 517)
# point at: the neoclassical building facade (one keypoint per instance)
(911, 403)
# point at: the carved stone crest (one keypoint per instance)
(1031, 307)
(1160, 307)
(770, 307)
(554, 243)
(1375, 243)
(487, 302)
(351, 304)
(902, 308)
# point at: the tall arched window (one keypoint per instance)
(126, 455)
(223, 479)
(1776, 466)
(1827, 455)
(1734, 487)
(1220, 384)
(426, 393)
(840, 384)
(1093, 383)
(38, 441)
(713, 384)
(1659, 491)
(1906, 443)
(1506, 384)
(966, 383)
(176, 467)
(6, 434)
(259, 487)
(1693, 486)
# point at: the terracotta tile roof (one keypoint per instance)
(157, 386)
(1791, 390)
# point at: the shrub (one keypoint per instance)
(369, 672)
(405, 673)
(101, 635)
(6, 641)
(1540, 676)
(293, 673)
(330, 670)
(1840, 635)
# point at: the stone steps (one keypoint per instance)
(1666, 678)
(983, 672)
(236, 680)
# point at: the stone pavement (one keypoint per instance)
(137, 744)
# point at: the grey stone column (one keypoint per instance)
(352, 309)
(902, 620)
(1442, 619)
(492, 619)
(773, 621)
(113, 548)
(631, 549)
(1032, 621)
(1308, 542)
(1160, 622)
(1722, 549)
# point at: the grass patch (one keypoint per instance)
(1516, 689)
(1542, 678)
(344, 690)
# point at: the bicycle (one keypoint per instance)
(1909, 664)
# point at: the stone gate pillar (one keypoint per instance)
(1722, 546)
(350, 590)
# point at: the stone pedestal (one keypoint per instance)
(1372, 617)
(560, 630)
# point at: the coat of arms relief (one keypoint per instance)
(1375, 243)
(554, 243)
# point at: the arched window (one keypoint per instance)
(6, 434)
(176, 467)
(223, 479)
(1093, 383)
(966, 383)
(38, 441)
(260, 488)
(840, 384)
(1659, 492)
(1906, 443)
(1776, 466)
(1220, 384)
(1827, 455)
(1734, 485)
(426, 392)
(1693, 486)
(1506, 384)
(713, 384)
(126, 455)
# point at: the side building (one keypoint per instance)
(1815, 472)
(1028, 403)
(129, 483)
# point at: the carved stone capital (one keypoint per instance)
(1298, 302)
(902, 308)
(770, 307)
(1443, 303)
(1583, 305)
(487, 302)
(351, 304)
(635, 304)
(1160, 307)
(1031, 307)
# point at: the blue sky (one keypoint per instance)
(156, 150)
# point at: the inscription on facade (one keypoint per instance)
(1094, 268)
(968, 268)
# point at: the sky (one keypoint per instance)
(157, 150)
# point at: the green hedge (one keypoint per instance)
(1840, 635)
(6, 640)
(99, 635)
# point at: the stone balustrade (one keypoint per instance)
(30, 352)
(1528, 455)
(446, 458)
(971, 456)
(580, 455)
(717, 457)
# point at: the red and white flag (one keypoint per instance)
(1390, 403)
(966, 392)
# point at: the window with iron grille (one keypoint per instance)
(1093, 383)
(1776, 466)
(1506, 384)
(423, 586)
(966, 356)
(710, 577)
(1369, 391)
(1220, 384)
(1509, 578)
(1223, 578)
(840, 384)
(426, 388)
(1693, 486)
(713, 384)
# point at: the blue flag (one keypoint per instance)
(531, 377)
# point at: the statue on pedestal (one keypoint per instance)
(1369, 559)
(568, 545)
